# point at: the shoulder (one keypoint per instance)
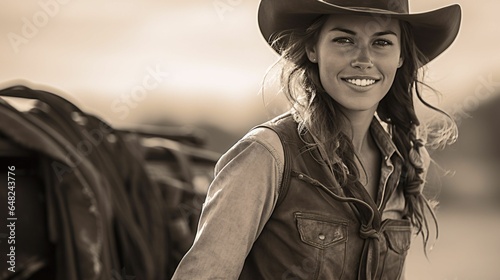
(268, 137)
(260, 142)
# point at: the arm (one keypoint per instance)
(239, 202)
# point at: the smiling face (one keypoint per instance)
(357, 59)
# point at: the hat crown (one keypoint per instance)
(393, 6)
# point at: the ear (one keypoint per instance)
(400, 63)
(311, 54)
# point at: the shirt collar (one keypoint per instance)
(383, 139)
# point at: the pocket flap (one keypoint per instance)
(398, 239)
(319, 231)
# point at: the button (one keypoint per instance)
(386, 157)
(321, 236)
(301, 176)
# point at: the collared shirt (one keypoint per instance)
(243, 195)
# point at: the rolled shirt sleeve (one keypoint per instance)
(239, 202)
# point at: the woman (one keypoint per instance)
(324, 191)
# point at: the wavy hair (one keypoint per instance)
(320, 115)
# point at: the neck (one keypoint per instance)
(360, 123)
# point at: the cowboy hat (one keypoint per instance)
(434, 31)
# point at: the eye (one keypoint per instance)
(343, 40)
(383, 42)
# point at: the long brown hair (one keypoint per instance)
(319, 114)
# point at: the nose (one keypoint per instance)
(362, 60)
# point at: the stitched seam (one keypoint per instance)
(278, 163)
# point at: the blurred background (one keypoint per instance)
(200, 65)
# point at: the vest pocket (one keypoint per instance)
(320, 232)
(398, 237)
(325, 240)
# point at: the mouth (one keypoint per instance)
(361, 82)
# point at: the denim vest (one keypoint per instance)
(319, 230)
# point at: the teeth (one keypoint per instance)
(361, 82)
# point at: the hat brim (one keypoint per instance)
(434, 31)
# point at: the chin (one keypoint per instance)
(359, 107)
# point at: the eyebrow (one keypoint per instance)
(381, 33)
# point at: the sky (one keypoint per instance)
(139, 62)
